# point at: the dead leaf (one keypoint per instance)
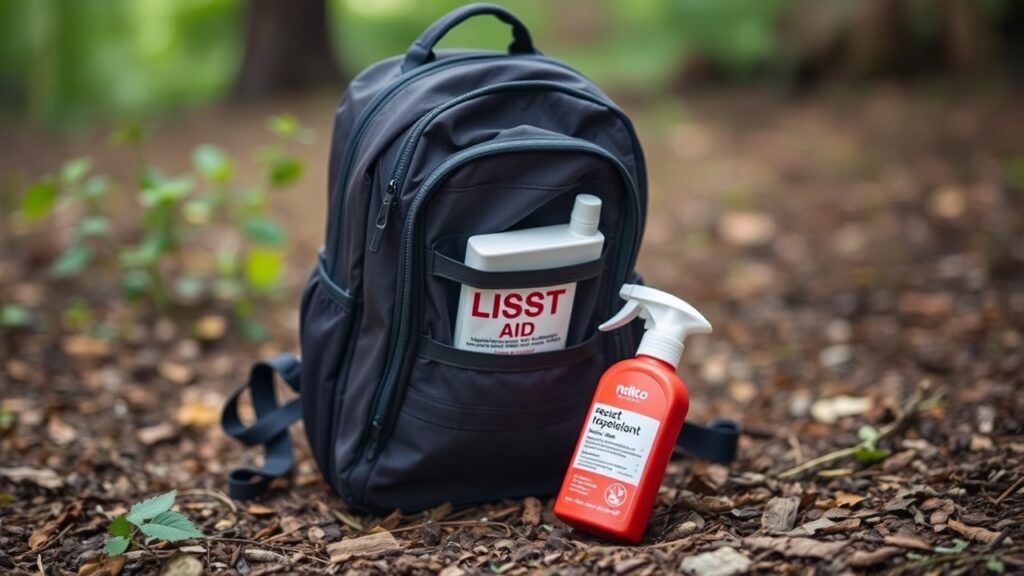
(102, 566)
(267, 531)
(225, 523)
(441, 512)
(42, 534)
(82, 346)
(780, 514)
(211, 327)
(152, 435)
(348, 520)
(797, 547)
(375, 544)
(199, 412)
(258, 555)
(848, 525)
(452, 570)
(906, 538)
(390, 522)
(315, 534)
(746, 229)
(974, 532)
(175, 373)
(182, 565)
(813, 527)
(941, 509)
(830, 410)
(865, 559)
(724, 561)
(59, 431)
(39, 476)
(846, 499)
(531, 511)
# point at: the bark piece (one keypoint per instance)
(780, 514)
(374, 544)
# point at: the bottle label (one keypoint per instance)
(516, 321)
(611, 457)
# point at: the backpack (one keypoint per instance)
(428, 149)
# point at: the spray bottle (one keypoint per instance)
(631, 428)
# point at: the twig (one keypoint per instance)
(212, 494)
(1010, 490)
(897, 424)
(304, 551)
(48, 543)
(39, 563)
(798, 451)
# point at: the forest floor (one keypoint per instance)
(861, 256)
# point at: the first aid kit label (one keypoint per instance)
(616, 443)
(519, 321)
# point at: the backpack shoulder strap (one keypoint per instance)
(270, 428)
(717, 442)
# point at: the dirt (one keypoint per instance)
(861, 256)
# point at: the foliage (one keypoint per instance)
(155, 519)
(867, 451)
(181, 218)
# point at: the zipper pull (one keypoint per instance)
(371, 445)
(382, 215)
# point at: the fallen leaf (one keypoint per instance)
(102, 566)
(865, 558)
(225, 523)
(531, 511)
(211, 327)
(797, 547)
(175, 372)
(59, 431)
(198, 414)
(390, 522)
(260, 510)
(39, 476)
(926, 304)
(724, 561)
(81, 346)
(452, 570)
(182, 565)
(941, 509)
(975, 532)
(259, 555)
(42, 534)
(746, 229)
(348, 520)
(830, 410)
(846, 499)
(848, 525)
(375, 544)
(813, 527)
(152, 435)
(780, 514)
(906, 538)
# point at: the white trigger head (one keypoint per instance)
(626, 315)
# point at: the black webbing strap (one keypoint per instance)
(717, 442)
(270, 428)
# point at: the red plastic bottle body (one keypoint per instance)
(626, 442)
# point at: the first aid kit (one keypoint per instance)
(434, 151)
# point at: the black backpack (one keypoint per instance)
(428, 149)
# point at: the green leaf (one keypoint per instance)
(199, 212)
(188, 288)
(871, 455)
(265, 231)
(120, 526)
(996, 565)
(74, 170)
(95, 187)
(71, 262)
(145, 254)
(170, 526)
(212, 163)
(263, 267)
(14, 316)
(77, 316)
(151, 507)
(868, 435)
(165, 191)
(39, 199)
(253, 330)
(131, 133)
(135, 284)
(116, 545)
(284, 170)
(91, 226)
(957, 547)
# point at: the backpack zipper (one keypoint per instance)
(363, 120)
(399, 169)
(382, 405)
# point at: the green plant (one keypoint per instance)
(155, 519)
(867, 451)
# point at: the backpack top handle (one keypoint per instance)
(422, 50)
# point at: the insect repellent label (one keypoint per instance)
(515, 321)
(611, 458)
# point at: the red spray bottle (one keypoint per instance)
(631, 428)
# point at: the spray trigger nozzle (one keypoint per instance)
(669, 321)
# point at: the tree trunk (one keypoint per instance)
(287, 48)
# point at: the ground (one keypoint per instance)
(860, 254)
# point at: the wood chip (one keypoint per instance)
(780, 514)
(175, 373)
(152, 435)
(531, 511)
(628, 565)
(797, 547)
(813, 527)
(724, 561)
(975, 532)
(865, 559)
(375, 544)
(260, 510)
(452, 570)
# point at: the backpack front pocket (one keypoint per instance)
(476, 426)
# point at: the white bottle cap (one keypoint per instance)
(586, 214)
